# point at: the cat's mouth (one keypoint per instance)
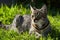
(36, 19)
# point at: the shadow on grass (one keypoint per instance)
(55, 34)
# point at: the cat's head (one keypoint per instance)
(38, 13)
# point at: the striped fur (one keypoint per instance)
(39, 21)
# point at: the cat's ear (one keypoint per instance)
(44, 9)
(32, 8)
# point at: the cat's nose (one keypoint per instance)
(35, 20)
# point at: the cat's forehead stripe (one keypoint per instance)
(37, 11)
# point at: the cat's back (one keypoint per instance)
(27, 17)
(26, 22)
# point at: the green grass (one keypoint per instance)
(7, 14)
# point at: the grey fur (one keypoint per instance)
(22, 23)
(19, 24)
(38, 19)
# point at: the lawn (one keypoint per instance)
(7, 14)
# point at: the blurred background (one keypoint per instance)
(53, 5)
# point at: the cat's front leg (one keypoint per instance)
(37, 35)
(31, 31)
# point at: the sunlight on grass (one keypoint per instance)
(7, 14)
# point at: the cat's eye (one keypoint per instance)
(32, 16)
(37, 13)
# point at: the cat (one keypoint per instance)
(36, 23)
(40, 24)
